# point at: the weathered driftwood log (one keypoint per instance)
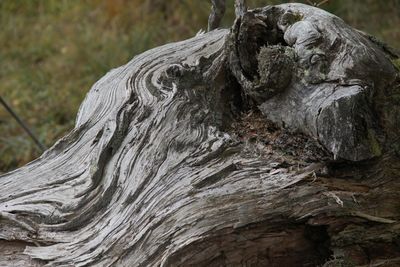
(163, 168)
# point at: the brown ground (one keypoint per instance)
(253, 127)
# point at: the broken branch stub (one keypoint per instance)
(316, 75)
(154, 174)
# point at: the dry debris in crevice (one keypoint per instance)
(253, 127)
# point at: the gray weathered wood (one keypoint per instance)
(162, 170)
(216, 15)
(240, 7)
(334, 80)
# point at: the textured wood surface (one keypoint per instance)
(156, 173)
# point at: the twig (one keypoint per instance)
(23, 125)
(218, 12)
(216, 15)
(317, 4)
(322, 3)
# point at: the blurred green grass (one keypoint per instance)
(52, 51)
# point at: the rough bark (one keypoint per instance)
(163, 168)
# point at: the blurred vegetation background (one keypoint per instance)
(52, 51)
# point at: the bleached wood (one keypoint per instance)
(154, 174)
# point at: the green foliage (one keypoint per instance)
(52, 51)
